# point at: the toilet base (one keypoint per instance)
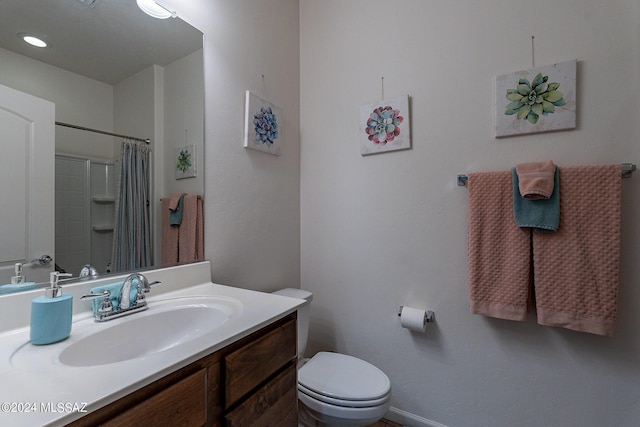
(309, 417)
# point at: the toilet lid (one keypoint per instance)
(343, 377)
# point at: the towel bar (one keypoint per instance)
(626, 169)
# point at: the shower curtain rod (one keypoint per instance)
(146, 141)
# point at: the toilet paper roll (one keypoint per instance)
(413, 319)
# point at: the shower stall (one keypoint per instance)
(84, 213)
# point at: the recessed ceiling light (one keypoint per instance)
(33, 40)
(151, 8)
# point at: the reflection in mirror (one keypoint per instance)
(108, 67)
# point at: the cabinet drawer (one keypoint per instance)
(275, 404)
(246, 368)
(182, 403)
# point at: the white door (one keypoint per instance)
(27, 147)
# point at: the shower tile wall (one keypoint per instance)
(72, 214)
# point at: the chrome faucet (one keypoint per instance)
(143, 287)
(106, 310)
(88, 271)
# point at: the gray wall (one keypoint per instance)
(389, 230)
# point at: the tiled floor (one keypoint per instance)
(385, 423)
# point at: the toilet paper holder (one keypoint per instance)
(431, 317)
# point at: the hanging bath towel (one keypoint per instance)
(185, 242)
(498, 250)
(191, 238)
(170, 235)
(576, 269)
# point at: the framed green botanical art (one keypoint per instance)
(540, 99)
(185, 162)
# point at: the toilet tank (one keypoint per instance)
(303, 315)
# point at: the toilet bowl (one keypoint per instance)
(336, 389)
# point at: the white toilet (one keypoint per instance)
(335, 389)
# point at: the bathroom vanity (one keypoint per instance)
(250, 382)
(231, 362)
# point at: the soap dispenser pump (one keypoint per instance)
(19, 277)
(51, 313)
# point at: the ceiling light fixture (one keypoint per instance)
(33, 40)
(151, 8)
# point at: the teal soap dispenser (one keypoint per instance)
(51, 313)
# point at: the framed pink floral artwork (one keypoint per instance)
(384, 126)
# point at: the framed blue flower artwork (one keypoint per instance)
(262, 125)
(384, 126)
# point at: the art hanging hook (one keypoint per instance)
(264, 85)
(382, 88)
(533, 53)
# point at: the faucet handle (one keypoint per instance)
(146, 286)
(106, 306)
(140, 298)
(105, 294)
(143, 287)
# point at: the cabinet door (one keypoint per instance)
(181, 404)
(275, 404)
(248, 367)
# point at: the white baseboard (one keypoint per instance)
(410, 420)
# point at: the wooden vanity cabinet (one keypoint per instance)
(252, 367)
(272, 405)
(252, 382)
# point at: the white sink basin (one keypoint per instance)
(143, 335)
(165, 325)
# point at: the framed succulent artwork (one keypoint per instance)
(185, 162)
(262, 125)
(540, 99)
(385, 126)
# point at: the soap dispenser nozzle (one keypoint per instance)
(55, 290)
(18, 278)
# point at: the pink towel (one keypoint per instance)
(498, 251)
(535, 180)
(576, 269)
(183, 243)
(173, 201)
(169, 236)
(191, 238)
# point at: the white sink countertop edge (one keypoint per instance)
(53, 395)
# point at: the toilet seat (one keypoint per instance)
(342, 380)
(343, 402)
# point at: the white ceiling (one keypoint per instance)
(108, 42)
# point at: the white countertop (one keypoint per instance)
(49, 393)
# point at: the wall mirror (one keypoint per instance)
(108, 67)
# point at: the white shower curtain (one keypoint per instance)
(132, 232)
